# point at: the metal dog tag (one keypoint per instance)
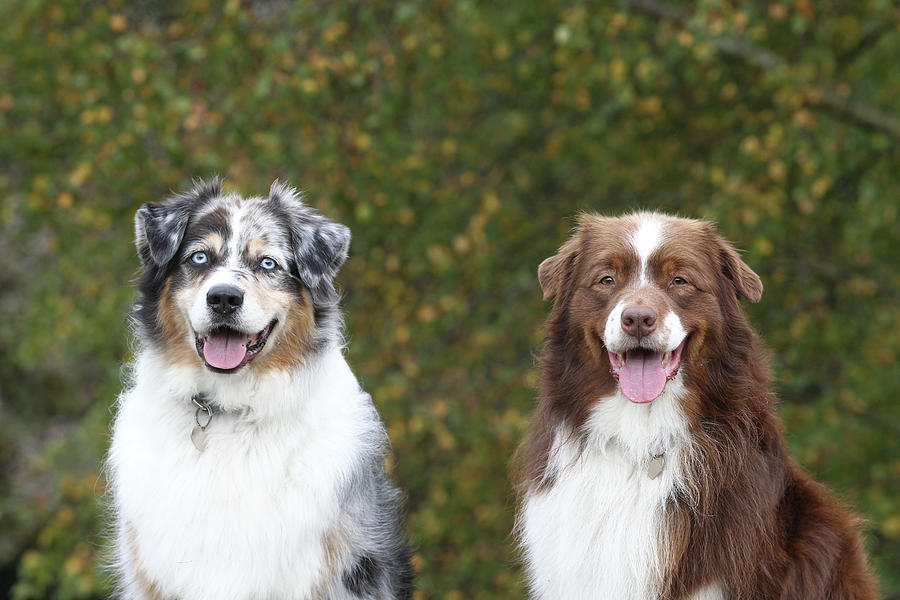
(655, 466)
(198, 433)
(198, 437)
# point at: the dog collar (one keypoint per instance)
(203, 416)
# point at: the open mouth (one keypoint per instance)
(643, 373)
(226, 350)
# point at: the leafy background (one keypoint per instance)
(456, 139)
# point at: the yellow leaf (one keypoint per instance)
(118, 23)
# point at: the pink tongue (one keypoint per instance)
(642, 377)
(225, 349)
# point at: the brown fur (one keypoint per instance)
(176, 333)
(256, 247)
(334, 542)
(757, 523)
(214, 242)
(292, 342)
(147, 588)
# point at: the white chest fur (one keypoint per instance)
(246, 517)
(597, 531)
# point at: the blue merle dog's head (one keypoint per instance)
(229, 282)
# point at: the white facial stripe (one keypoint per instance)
(613, 334)
(645, 240)
(236, 218)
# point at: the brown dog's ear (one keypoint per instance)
(746, 282)
(554, 271)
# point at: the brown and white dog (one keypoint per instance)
(655, 467)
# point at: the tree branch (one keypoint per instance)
(869, 39)
(858, 113)
(825, 97)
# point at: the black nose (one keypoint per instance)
(639, 320)
(224, 299)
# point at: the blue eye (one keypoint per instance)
(199, 258)
(268, 264)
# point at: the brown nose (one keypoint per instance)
(639, 320)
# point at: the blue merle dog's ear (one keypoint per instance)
(320, 246)
(159, 229)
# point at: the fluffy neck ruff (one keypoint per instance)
(270, 394)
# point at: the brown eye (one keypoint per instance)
(679, 281)
(607, 280)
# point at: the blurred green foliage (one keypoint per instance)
(456, 139)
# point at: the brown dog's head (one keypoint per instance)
(642, 294)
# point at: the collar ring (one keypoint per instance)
(202, 407)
